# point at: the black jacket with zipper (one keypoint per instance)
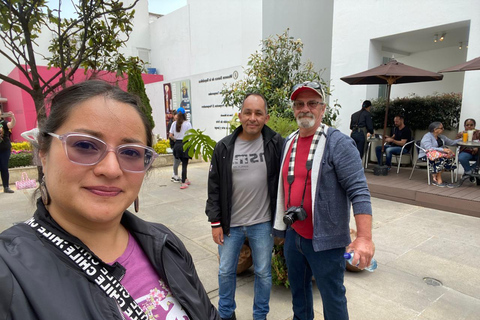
(219, 202)
(38, 281)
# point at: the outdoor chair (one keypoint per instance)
(398, 157)
(457, 163)
(418, 148)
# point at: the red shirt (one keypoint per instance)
(305, 227)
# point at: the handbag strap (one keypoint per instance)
(24, 176)
(93, 269)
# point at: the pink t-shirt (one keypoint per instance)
(145, 286)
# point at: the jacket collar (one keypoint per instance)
(130, 221)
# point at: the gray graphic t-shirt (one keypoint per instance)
(250, 202)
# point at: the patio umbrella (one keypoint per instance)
(392, 72)
(473, 64)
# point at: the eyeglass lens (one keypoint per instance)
(86, 150)
(310, 104)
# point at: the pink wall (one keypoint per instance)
(21, 104)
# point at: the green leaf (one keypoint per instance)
(198, 143)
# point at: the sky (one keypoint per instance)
(165, 6)
(154, 6)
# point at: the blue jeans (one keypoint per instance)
(464, 158)
(328, 268)
(260, 239)
(389, 152)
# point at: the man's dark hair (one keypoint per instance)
(258, 95)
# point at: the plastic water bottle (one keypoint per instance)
(371, 267)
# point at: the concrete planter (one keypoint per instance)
(163, 160)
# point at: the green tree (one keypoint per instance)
(137, 86)
(90, 40)
(273, 72)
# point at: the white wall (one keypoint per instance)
(203, 40)
(434, 61)
(205, 35)
(170, 43)
(357, 22)
(139, 37)
(471, 84)
(208, 112)
(309, 20)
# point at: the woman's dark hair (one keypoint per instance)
(181, 117)
(66, 100)
(433, 126)
(470, 119)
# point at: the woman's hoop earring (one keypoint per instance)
(44, 193)
(136, 204)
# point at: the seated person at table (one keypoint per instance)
(468, 154)
(434, 140)
(401, 135)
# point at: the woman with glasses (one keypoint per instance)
(468, 154)
(435, 140)
(82, 255)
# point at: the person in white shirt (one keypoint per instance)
(177, 132)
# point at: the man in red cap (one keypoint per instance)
(321, 177)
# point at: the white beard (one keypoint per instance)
(305, 120)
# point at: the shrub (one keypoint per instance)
(279, 267)
(419, 112)
(18, 146)
(21, 158)
(161, 146)
(273, 72)
(284, 126)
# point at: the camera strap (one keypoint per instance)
(93, 269)
(291, 165)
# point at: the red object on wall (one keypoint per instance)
(22, 105)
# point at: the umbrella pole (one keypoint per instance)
(389, 87)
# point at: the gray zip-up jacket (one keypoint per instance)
(38, 281)
(339, 185)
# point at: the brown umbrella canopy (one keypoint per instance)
(392, 72)
(473, 64)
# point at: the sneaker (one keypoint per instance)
(187, 181)
(184, 186)
(8, 190)
(175, 179)
(441, 185)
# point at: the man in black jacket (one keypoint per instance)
(242, 190)
(361, 123)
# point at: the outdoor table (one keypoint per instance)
(373, 138)
(475, 172)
